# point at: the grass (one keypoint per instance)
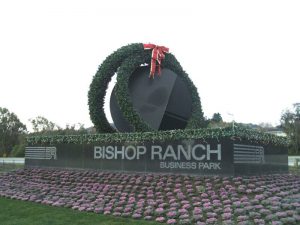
(15, 212)
(294, 170)
(10, 166)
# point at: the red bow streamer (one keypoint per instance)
(158, 54)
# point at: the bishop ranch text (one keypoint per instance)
(190, 157)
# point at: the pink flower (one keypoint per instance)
(182, 211)
(259, 221)
(172, 200)
(107, 212)
(211, 221)
(211, 215)
(171, 214)
(117, 214)
(207, 204)
(159, 210)
(197, 211)
(160, 219)
(204, 195)
(186, 206)
(201, 223)
(136, 216)
(226, 216)
(148, 217)
(281, 214)
(171, 221)
(259, 197)
(242, 218)
(249, 191)
(184, 216)
(81, 208)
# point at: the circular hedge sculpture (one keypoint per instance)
(125, 61)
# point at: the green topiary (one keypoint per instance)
(238, 134)
(124, 61)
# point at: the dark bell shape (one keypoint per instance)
(164, 103)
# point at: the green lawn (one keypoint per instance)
(294, 170)
(9, 167)
(14, 212)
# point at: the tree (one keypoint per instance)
(217, 122)
(19, 149)
(290, 122)
(217, 118)
(10, 129)
(73, 129)
(42, 125)
(265, 125)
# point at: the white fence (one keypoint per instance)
(292, 160)
(10, 160)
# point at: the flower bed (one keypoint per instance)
(171, 199)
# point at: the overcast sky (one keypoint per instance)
(243, 56)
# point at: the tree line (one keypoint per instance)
(290, 122)
(13, 132)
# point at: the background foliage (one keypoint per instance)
(290, 122)
(10, 129)
(13, 133)
(48, 132)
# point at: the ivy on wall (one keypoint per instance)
(238, 134)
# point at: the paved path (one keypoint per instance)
(12, 160)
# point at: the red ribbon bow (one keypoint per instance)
(158, 54)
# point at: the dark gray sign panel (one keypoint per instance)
(188, 156)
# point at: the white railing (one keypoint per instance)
(11, 160)
(293, 160)
(8, 160)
